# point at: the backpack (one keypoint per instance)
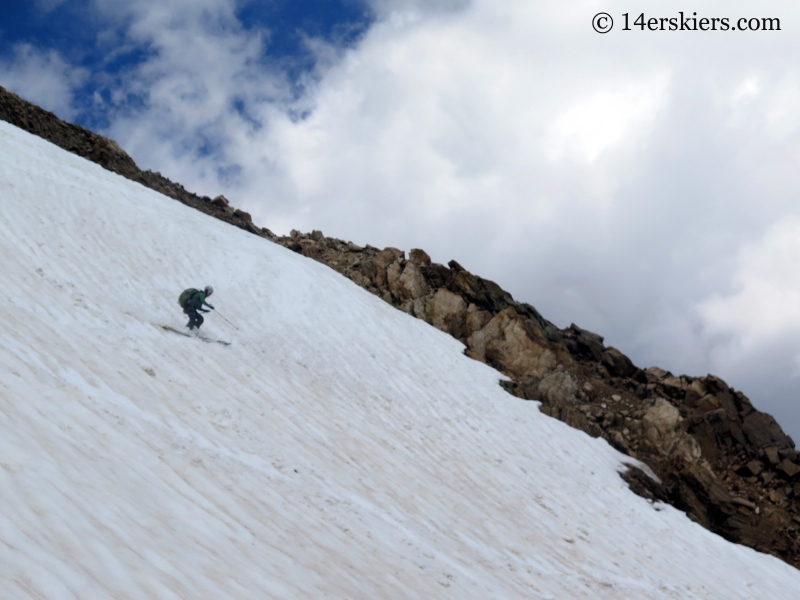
(185, 295)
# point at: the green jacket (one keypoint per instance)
(197, 300)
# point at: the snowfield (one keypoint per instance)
(338, 448)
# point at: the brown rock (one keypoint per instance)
(388, 255)
(755, 467)
(772, 455)
(762, 431)
(584, 343)
(619, 442)
(617, 363)
(788, 467)
(743, 502)
(411, 283)
(419, 257)
(707, 403)
(777, 495)
(447, 311)
(662, 431)
(655, 374)
(240, 214)
(676, 385)
(393, 273)
(476, 319)
(559, 387)
(505, 342)
(694, 392)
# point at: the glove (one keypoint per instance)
(211, 307)
(204, 310)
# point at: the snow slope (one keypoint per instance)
(337, 449)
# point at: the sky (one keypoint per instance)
(641, 184)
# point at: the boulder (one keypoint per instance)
(507, 344)
(476, 319)
(410, 284)
(755, 467)
(694, 391)
(762, 431)
(677, 384)
(419, 257)
(244, 216)
(584, 343)
(656, 374)
(789, 468)
(617, 363)
(707, 403)
(447, 311)
(662, 431)
(388, 255)
(558, 387)
(772, 455)
(220, 201)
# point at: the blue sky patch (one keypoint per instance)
(87, 39)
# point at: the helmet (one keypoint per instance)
(209, 290)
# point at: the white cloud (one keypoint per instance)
(597, 123)
(42, 77)
(765, 305)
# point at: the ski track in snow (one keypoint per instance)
(337, 449)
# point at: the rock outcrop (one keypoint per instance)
(730, 467)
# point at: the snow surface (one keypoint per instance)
(337, 449)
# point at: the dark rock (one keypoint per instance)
(762, 431)
(656, 375)
(584, 343)
(617, 363)
(777, 495)
(419, 257)
(755, 467)
(772, 455)
(789, 468)
(643, 485)
(454, 266)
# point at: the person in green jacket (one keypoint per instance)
(192, 301)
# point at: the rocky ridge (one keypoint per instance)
(729, 466)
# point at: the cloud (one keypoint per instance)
(765, 305)
(49, 5)
(42, 77)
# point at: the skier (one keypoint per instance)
(192, 301)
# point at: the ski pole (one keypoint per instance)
(226, 320)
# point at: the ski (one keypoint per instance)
(189, 335)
